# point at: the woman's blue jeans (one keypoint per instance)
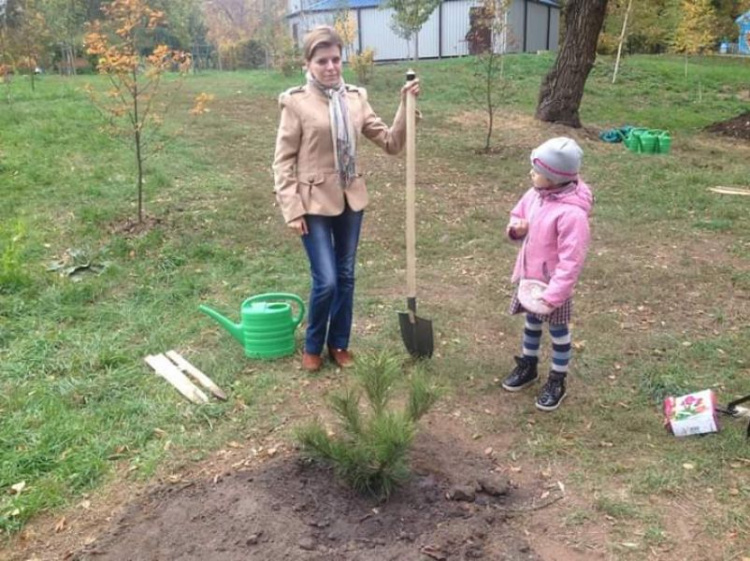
(331, 245)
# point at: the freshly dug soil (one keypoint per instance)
(455, 507)
(737, 127)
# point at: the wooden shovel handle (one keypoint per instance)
(411, 234)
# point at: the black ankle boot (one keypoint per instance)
(552, 393)
(524, 374)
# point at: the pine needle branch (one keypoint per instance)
(346, 406)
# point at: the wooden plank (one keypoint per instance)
(191, 370)
(172, 374)
(730, 191)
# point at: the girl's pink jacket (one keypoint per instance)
(556, 244)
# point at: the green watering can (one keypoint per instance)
(663, 142)
(266, 328)
(633, 140)
(648, 141)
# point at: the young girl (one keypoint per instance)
(552, 219)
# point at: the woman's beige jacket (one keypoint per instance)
(306, 181)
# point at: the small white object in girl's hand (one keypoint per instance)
(530, 295)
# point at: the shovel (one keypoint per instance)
(415, 331)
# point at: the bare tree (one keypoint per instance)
(562, 88)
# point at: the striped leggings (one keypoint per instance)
(561, 347)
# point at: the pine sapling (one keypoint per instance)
(371, 453)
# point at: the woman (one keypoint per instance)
(320, 189)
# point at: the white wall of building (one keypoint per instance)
(536, 27)
(554, 36)
(455, 27)
(376, 33)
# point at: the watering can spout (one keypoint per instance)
(235, 329)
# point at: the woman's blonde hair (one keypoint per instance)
(321, 36)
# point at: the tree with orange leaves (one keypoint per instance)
(134, 106)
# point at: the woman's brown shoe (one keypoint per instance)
(342, 357)
(311, 362)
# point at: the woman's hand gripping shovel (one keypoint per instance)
(415, 331)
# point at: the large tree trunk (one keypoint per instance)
(562, 89)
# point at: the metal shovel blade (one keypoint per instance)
(416, 332)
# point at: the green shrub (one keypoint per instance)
(363, 65)
(370, 454)
(288, 58)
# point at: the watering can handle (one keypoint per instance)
(281, 296)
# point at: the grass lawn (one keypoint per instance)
(661, 307)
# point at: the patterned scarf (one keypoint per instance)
(342, 130)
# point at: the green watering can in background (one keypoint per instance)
(663, 142)
(632, 140)
(648, 141)
(266, 328)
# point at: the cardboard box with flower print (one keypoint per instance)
(694, 413)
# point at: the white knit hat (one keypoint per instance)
(558, 159)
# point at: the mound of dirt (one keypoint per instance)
(737, 127)
(454, 508)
